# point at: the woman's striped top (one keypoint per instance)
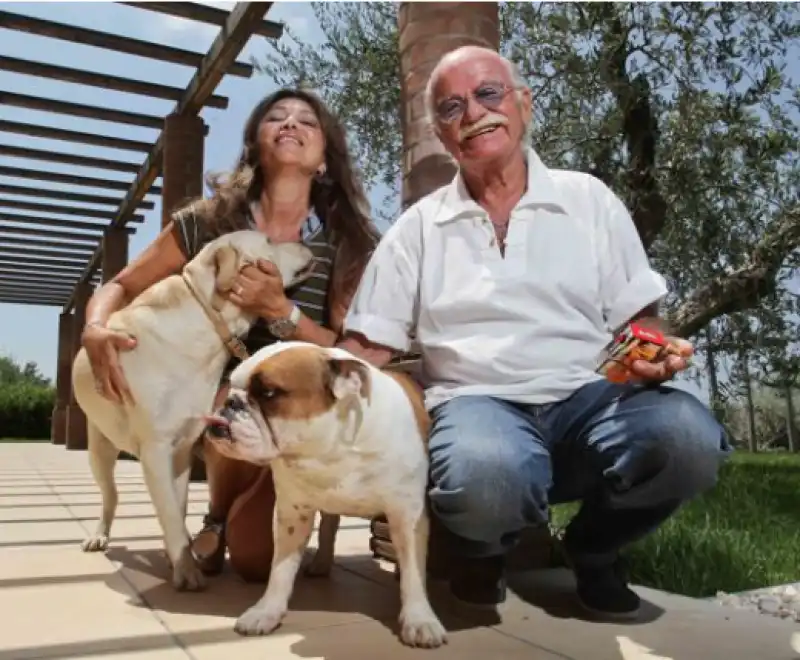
(311, 296)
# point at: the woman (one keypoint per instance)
(294, 182)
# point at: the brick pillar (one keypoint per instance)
(182, 169)
(58, 429)
(115, 252)
(184, 137)
(76, 420)
(429, 30)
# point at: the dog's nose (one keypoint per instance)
(235, 404)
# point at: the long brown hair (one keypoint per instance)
(338, 198)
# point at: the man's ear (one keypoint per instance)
(525, 104)
(225, 265)
(349, 377)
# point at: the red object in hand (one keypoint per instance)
(635, 342)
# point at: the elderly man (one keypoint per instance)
(513, 278)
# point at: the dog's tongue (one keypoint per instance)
(217, 426)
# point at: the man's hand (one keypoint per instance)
(665, 368)
(259, 290)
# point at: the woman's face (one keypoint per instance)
(290, 135)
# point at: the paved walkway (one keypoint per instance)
(57, 602)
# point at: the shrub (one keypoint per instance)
(26, 410)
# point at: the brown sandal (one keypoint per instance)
(208, 546)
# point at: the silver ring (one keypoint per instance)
(98, 386)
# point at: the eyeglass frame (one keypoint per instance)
(463, 102)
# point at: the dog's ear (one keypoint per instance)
(349, 377)
(226, 260)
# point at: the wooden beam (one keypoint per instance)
(61, 255)
(27, 300)
(56, 245)
(80, 211)
(67, 158)
(38, 275)
(47, 234)
(115, 42)
(101, 80)
(79, 110)
(55, 265)
(65, 135)
(194, 11)
(96, 227)
(34, 288)
(230, 41)
(67, 196)
(226, 46)
(74, 179)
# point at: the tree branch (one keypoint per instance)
(649, 209)
(742, 288)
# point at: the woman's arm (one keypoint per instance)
(161, 258)
(309, 331)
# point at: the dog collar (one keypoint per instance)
(234, 345)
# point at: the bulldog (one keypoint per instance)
(343, 438)
(184, 327)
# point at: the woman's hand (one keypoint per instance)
(259, 290)
(666, 367)
(102, 347)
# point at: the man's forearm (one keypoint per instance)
(377, 355)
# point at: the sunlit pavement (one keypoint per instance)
(58, 602)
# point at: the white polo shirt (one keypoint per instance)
(527, 327)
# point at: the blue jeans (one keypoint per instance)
(631, 454)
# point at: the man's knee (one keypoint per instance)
(485, 484)
(680, 441)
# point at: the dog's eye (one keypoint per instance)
(262, 391)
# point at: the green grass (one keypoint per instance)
(742, 535)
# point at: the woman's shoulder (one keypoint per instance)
(191, 230)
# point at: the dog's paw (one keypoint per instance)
(422, 629)
(318, 567)
(95, 543)
(259, 620)
(186, 574)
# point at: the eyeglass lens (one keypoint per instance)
(489, 95)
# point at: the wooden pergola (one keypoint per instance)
(47, 261)
(52, 261)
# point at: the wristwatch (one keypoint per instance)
(285, 327)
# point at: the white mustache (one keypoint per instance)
(489, 120)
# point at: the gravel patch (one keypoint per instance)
(782, 602)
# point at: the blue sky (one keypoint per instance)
(28, 332)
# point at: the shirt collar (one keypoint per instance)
(311, 227)
(541, 190)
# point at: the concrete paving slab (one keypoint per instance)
(62, 603)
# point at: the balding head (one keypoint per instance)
(478, 104)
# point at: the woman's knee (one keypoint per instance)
(227, 479)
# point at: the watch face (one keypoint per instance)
(281, 328)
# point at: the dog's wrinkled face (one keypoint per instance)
(291, 398)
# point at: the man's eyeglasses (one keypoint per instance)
(489, 94)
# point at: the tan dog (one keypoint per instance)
(173, 373)
(343, 438)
